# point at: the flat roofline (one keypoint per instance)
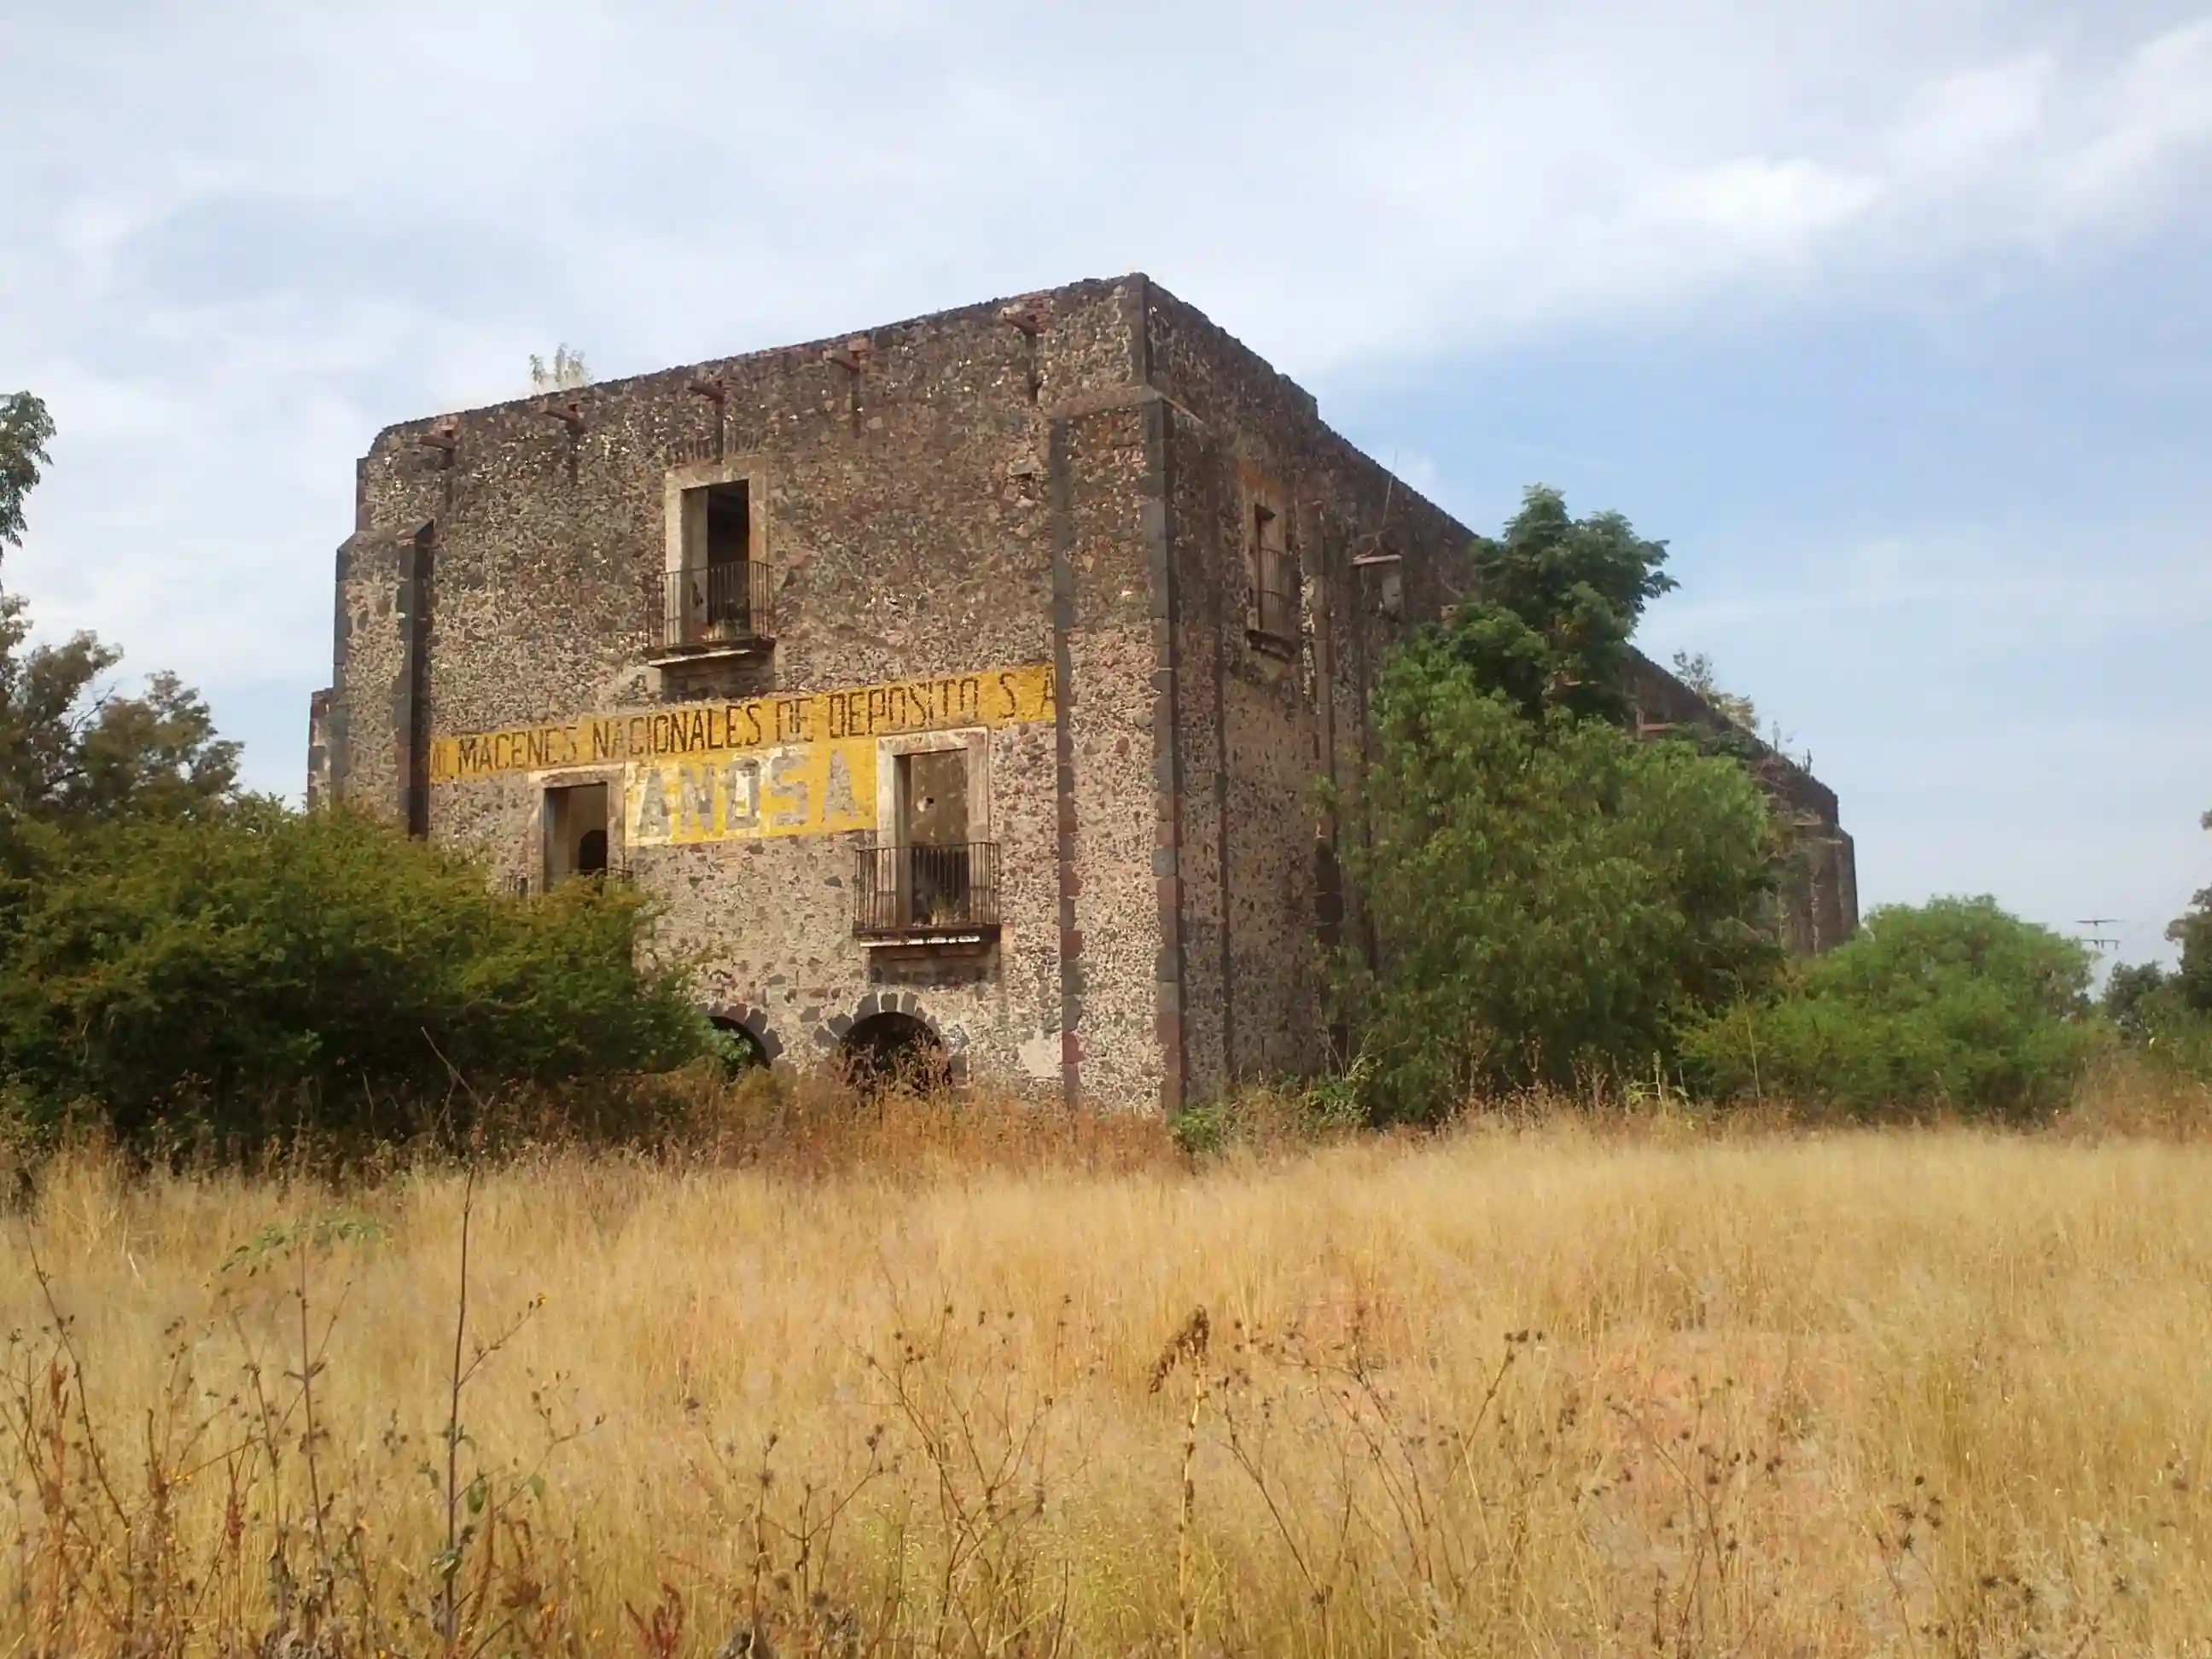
(977, 311)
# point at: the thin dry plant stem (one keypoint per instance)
(450, 1565)
(1187, 1347)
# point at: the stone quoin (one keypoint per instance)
(964, 680)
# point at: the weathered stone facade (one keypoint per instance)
(1079, 575)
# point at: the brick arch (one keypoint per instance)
(753, 1022)
(832, 1032)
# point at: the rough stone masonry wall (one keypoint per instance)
(1257, 729)
(907, 479)
(1104, 457)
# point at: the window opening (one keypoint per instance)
(729, 524)
(575, 831)
(1274, 576)
(726, 597)
(1383, 574)
(719, 595)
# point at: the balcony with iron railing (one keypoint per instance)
(713, 610)
(923, 894)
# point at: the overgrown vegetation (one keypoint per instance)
(1552, 899)
(254, 973)
(1696, 671)
(1549, 896)
(2166, 1013)
(176, 957)
(1951, 1006)
(566, 373)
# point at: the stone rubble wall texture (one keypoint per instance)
(1259, 729)
(939, 496)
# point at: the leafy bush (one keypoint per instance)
(1548, 894)
(169, 952)
(1954, 1004)
(1551, 897)
(2156, 1011)
(2193, 933)
(260, 971)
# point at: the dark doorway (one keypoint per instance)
(729, 554)
(888, 1050)
(729, 523)
(933, 795)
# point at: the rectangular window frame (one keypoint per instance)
(1274, 577)
(890, 808)
(891, 843)
(695, 607)
(550, 866)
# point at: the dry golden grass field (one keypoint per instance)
(1544, 1390)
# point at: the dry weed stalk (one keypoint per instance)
(1186, 1347)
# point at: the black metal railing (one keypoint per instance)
(715, 604)
(920, 892)
(1276, 613)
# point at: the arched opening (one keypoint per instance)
(892, 1048)
(739, 1049)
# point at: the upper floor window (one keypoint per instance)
(715, 596)
(1276, 578)
(934, 875)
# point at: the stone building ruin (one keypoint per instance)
(962, 682)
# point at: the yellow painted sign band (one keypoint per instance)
(997, 697)
(797, 789)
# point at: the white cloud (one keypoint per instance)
(254, 234)
(1756, 207)
(2159, 107)
(1960, 124)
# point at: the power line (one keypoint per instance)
(2100, 942)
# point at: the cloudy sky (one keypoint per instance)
(1894, 318)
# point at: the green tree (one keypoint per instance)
(1550, 896)
(72, 751)
(2134, 995)
(2193, 933)
(1555, 601)
(1955, 1004)
(260, 971)
(25, 431)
